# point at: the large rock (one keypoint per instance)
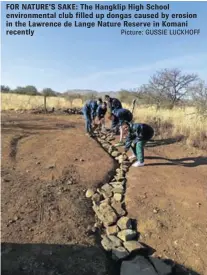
(119, 253)
(127, 235)
(117, 206)
(106, 214)
(110, 242)
(116, 242)
(106, 190)
(124, 223)
(118, 188)
(133, 245)
(106, 243)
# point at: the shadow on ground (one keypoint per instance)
(161, 142)
(54, 259)
(186, 162)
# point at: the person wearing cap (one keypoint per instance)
(89, 111)
(137, 135)
(118, 117)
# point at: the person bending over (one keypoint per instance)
(137, 135)
(113, 104)
(118, 116)
(99, 121)
(89, 111)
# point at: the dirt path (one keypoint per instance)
(168, 199)
(47, 164)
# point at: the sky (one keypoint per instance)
(101, 59)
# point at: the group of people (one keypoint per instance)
(136, 134)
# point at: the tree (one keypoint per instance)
(199, 95)
(5, 89)
(27, 90)
(169, 86)
(48, 92)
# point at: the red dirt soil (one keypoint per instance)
(168, 199)
(46, 217)
(47, 165)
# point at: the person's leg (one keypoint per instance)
(87, 121)
(140, 150)
(139, 153)
(133, 149)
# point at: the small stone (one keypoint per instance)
(127, 235)
(124, 223)
(69, 182)
(111, 230)
(155, 210)
(115, 153)
(117, 197)
(81, 160)
(75, 159)
(89, 193)
(119, 253)
(116, 242)
(198, 204)
(16, 218)
(38, 162)
(51, 166)
(132, 245)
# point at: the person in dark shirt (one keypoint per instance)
(113, 103)
(137, 135)
(118, 117)
(99, 121)
(89, 111)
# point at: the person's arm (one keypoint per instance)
(128, 143)
(98, 112)
(110, 106)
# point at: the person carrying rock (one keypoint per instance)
(99, 121)
(89, 111)
(137, 135)
(118, 117)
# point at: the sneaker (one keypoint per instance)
(138, 164)
(132, 157)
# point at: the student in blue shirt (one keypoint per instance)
(89, 111)
(118, 116)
